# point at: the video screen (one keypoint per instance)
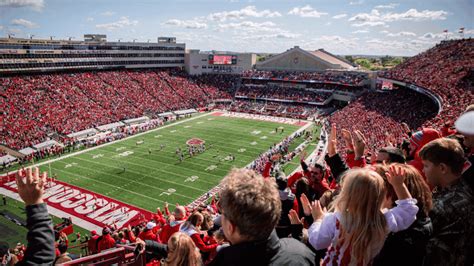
(222, 59)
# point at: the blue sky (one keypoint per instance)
(341, 27)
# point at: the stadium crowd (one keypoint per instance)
(218, 86)
(447, 71)
(411, 203)
(347, 210)
(345, 78)
(379, 115)
(35, 106)
(282, 93)
(272, 108)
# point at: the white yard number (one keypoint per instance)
(126, 153)
(70, 165)
(255, 132)
(169, 192)
(241, 150)
(211, 167)
(192, 178)
(97, 156)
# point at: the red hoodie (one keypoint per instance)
(148, 234)
(170, 229)
(105, 243)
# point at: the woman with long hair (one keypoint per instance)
(192, 227)
(182, 251)
(355, 233)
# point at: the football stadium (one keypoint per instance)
(189, 150)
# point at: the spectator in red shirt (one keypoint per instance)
(148, 233)
(92, 243)
(174, 222)
(106, 241)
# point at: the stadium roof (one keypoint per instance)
(297, 59)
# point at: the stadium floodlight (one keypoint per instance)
(134, 40)
(70, 37)
(148, 40)
(51, 37)
(10, 35)
(119, 39)
(31, 36)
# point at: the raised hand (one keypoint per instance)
(317, 211)
(294, 219)
(347, 136)
(359, 144)
(31, 185)
(396, 177)
(306, 204)
(332, 145)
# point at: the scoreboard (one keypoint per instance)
(215, 59)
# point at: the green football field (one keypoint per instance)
(147, 176)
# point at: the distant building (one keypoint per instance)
(218, 62)
(19, 55)
(297, 59)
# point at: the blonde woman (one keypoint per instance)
(356, 231)
(182, 251)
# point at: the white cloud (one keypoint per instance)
(306, 12)
(36, 5)
(279, 35)
(339, 16)
(415, 15)
(248, 11)
(375, 18)
(266, 26)
(383, 32)
(108, 13)
(369, 23)
(1, 27)
(89, 19)
(440, 35)
(389, 6)
(121, 23)
(402, 34)
(343, 44)
(24, 23)
(188, 24)
(360, 31)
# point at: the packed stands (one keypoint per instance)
(273, 108)
(337, 77)
(282, 93)
(218, 86)
(378, 115)
(447, 70)
(37, 105)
